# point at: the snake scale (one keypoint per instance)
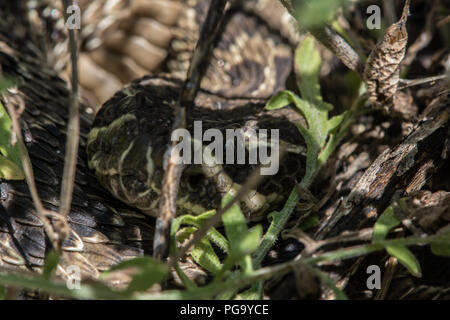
(251, 61)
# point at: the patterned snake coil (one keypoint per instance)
(251, 61)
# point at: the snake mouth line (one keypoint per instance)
(190, 150)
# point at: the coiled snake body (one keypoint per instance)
(244, 71)
(131, 132)
(129, 136)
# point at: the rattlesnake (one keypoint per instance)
(104, 231)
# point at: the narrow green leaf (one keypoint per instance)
(311, 222)
(254, 293)
(235, 225)
(247, 265)
(315, 13)
(218, 239)
(51, 262)
(280, 100)
(441, 246)
(308, 62)
(384, 224)
(334, 122)
(204, 255)
(406, 258)
(6, 83)
(250, 241)
(95, 291)
(285, 97)
(197, 221)
(312, 152)
(9, 170)
(10, 152)
(2, 292)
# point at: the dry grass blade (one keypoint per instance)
(174, 170)
(411, 83)
(73, 129)
(382, 73)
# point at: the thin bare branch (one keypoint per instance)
(340, 47)
(333, 41)
(174, 169)
(73, 128)
(415, 82)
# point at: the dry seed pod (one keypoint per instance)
(381, 73)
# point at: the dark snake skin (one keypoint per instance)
(104, 231)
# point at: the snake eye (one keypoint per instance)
(194, 182)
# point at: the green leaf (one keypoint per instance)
(218, 239)
(9, 170)
(13, 167)
(334, 122)
(2, 292)
(6, 83)
(94, 291)
(406, 258)
(315, 13)
(250, 241)
(311, 222)
(197, 221)
(51, 262)
(441, 246)
(204, 255)
(285, 97)
(254, 293)
(308, 62)
(280, 100)
(384, 224)
(235, 225)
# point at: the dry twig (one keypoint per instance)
(73, 129)
(333, 41)
(400, 165)
(189, 90)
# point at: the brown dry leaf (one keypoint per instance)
(381, 73)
